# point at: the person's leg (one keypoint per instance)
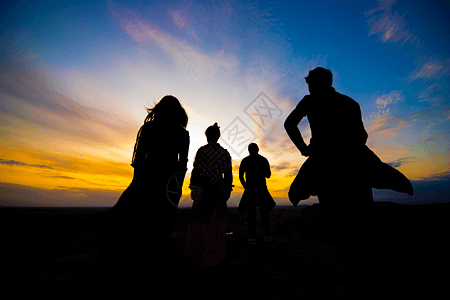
(367, 260)
(251, 221)
(351, 223)
(265, 221)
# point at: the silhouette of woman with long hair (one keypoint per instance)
(211, 186)
(136, 236)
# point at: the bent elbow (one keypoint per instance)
(290, 123)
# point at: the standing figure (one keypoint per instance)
(211, 186)
(256, 169)
(135, 240)
(341, 170)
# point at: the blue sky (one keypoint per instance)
(79, 74)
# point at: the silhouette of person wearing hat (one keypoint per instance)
(341, 170)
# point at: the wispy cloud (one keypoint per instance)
(383, 102)
(431, 116)
(19, 163)
(281, 166)
(401, 161)
(188, 57)
(439, 176)
(179, 18)
(183, 19)
(389, 26)
(382, 121)
(26, 196)
(30, 106)
(435, 136)
(432, 69)
(387, 126)
(431, 94)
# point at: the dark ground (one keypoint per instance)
(51, 253)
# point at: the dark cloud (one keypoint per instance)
(435, 119)
(399, 162)
(18, 163)
(432, 138)
(25, 196)
(281, 166)
(430, 115)
(63, 177)
(439, 176)
(432, 189)
(294, 172)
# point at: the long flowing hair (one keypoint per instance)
(168, 111)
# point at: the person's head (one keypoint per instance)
(168, 110)
(319, 80)
(253, 149)
(212, 133)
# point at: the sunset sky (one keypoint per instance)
(76, 78)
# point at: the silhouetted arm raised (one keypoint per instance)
(291, 126)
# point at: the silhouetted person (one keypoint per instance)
(137, 233)
(256, 169)
(341, 171)
(211, 186)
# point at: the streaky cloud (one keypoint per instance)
(431, 116)
(281, 166)
(388, 126)
(19, 163)
(390, 99)
(431, 69)
(401, 161)
(25, 196)
(389, 26)
(438, 176)
(27, 99)
(434, 137)
(189, 58)
(431, 189)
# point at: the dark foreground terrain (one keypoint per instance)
(51, 253)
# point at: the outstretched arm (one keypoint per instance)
(291, 126)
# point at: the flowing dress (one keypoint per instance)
(205, 237)
(137, 231)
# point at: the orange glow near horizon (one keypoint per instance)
(69, 118)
